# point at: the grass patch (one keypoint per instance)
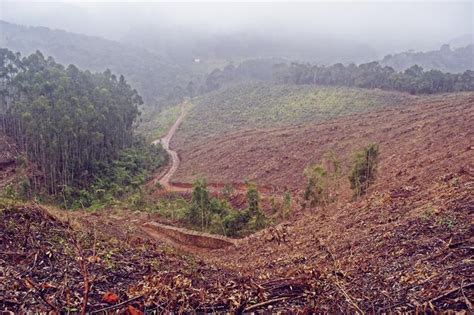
(260, 105)
(156, 124)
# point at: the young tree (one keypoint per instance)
(200, 204)
(364, 169)
(316, 187)
(286, 207)
(253, 200)
(321, 187)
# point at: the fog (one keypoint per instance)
(385, 27)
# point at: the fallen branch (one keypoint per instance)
(38, 290)
(439, 297)
(108, 308)
(255, 306)
(348, 298)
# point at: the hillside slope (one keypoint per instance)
(407, 246)
(153, 76)
(433, 131)
(259, 105)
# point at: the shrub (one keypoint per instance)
(228, 191)
(286, 208)
(24, 189)
(316, 187)
(364, 169)
(235, 222)
(9, 192)
(253, 199)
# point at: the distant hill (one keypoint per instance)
(445, 59)
(150, 74)
(184, 45)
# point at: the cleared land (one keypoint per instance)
(255, 106)
(407, 246)
(434, 132)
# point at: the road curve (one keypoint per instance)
(164, 180)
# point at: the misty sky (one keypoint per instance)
(386, 26)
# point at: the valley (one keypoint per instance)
(171, 158)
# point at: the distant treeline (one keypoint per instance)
(72, 124)
(445, 59)
(371, 75)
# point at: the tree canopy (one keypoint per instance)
(71, 123)
(372, 75)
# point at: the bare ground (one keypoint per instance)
(434, 133)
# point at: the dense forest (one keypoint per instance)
(371, 75)
(76, 126)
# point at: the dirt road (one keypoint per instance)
(164, 179)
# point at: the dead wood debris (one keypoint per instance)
(46, 266)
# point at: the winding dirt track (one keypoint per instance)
(164, 179)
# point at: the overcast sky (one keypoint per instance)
(384, 25)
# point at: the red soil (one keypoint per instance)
(431, 135)
(406, 246)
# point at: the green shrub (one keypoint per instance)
(9, 192)
(364, 169)
(286, 207)
(316, 188)
(24, 189)
(228, 191)
(235, 222)
(253, 199)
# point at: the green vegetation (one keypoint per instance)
(260, 105)
(121, 178)
(372, 75)
(210, 214)
(159, 81)
(316, 191)
(364, 169)
(321, 187)
(155, 124)
(76, 127)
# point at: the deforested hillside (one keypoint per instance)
(422, 133)
(260, 105)
(88, 266)
(405, 246)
